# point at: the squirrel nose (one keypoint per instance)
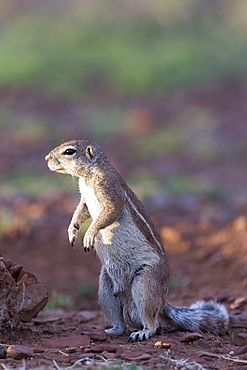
(47, 157)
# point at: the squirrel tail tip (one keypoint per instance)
(207, 316)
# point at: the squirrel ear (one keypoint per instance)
(89, 151)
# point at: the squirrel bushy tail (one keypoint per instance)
(205, 316)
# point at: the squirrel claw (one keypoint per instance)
(72, 233)
(88, 240)
(87, 249)
(131, 340)
(72, 242)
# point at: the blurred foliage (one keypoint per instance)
(184, 184)
(86, 290)
(105, 122)
(59, 301)
(81, 53)
(137, 48)
(24, 181)
(144, 183)
(160, 141)
(23, 129)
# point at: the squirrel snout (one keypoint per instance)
(47, 157)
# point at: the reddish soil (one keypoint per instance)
(207, 248)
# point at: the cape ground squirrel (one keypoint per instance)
(134, 278)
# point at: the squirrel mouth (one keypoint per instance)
(56, 169)
(61, 170)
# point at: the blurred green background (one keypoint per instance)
(69, 50)
(160, 85)
(99, 70)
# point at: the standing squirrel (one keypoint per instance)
(134, 278)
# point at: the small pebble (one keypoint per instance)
(71, 350)
(18, 351)
(161, 344)
(241, 350)
(203, 344)
(109, 356)
(191, 337)
(239, 302)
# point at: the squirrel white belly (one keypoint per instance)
(134, 278)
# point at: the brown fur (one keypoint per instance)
(134, 278)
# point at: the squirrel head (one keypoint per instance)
(75, 158)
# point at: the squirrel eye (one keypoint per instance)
(69, 151)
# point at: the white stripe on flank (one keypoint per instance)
(143, 219)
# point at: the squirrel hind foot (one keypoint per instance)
(140, 335)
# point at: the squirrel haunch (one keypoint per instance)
(134, 278)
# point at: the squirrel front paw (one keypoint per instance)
(72, 233)
(88, 240)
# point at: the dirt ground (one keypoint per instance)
(207, 248)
